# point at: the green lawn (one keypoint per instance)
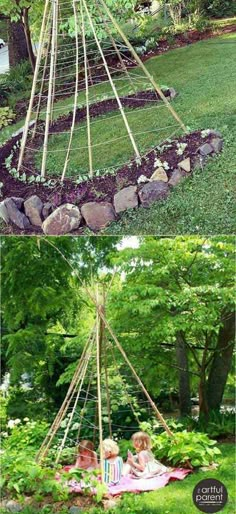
(176, 498)
(204, 74)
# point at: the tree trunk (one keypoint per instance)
(17, 45)
(202, 390)
(184, 381)
(221, 363)
(28, 38)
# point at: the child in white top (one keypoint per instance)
(143, 464)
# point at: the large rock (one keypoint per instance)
(176, 177)
(159, 174)
(153, 191)
(47, 209)
(98, 215)
(217, 144)
(3, 212)
(75, 510)
(172, 92)
(185, 165)
(127, 198)
(205, 149)
(18, 201)
(15, 215)
(63, 220)
(13, 506)
(33, 209)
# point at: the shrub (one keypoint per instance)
(25, 434)
(185, 446)
(220, 8)
(6, 116)
(20, 474)
(17, 80)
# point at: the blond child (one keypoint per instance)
(87, 457)
(112, 463)
(143, 464)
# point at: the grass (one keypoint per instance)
(204, 75)
(176, 498)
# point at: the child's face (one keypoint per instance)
(107, 455)
(136, 444)
(85, 452)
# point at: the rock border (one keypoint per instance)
(97, 215)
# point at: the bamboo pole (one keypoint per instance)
(65, 405)
(55, 62)
(140, 63)
(155, 409)
(87, 94)
(125, 387)
(158, 414)
(76, 93)
(50, 88)
(99, 396)
(75, 404)
(36, 72)
(104, 352)
(112, 84)
(83, 410)
(42, 86)
(116, 47)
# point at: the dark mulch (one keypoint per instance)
(102, 188)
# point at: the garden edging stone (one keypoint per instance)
(145, 183)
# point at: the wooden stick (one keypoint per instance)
(42, 85)
(76, 93)
(125, 387)
(160, 417)
(87, 95)
(55, 62)
(112, 84)
(104, 346)
(139, 61)
(158, 414)
(80, 384)
(116, 47)
(99, 397)
(36, 72)
(50, 87)
(65, 405)
(83, 410)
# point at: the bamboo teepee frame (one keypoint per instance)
(95, 347)
(47, 65)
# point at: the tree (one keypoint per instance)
(42, 300)
(178, 293)
(18, 12)
(18, 50)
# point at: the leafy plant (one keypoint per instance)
(25, 434)
(6, 116)
(185, 446)
(89, 482)
(22, 475)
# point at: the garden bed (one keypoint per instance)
(70, 207)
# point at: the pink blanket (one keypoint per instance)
(129, 484)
